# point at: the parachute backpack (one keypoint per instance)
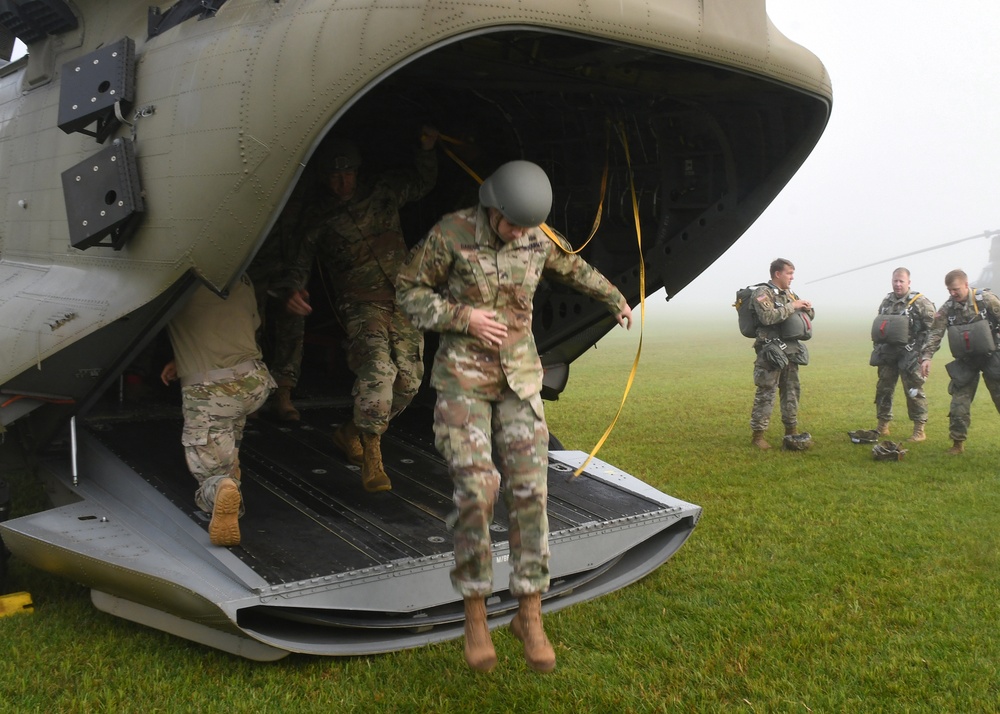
(744, 312)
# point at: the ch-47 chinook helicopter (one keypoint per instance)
(145, 150)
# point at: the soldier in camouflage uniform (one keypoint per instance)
(965, 306)
(772, 304)
(902, 362)
(282, 332)
(473, 279)
(356, 234)
(223, 380)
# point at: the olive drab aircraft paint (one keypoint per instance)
(145, 150)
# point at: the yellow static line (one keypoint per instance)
(642, 308)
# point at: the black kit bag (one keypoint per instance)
(744, 311)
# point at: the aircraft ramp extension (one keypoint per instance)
(324, 567)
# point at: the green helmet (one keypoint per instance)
(888, 451)
(520, 190)
(339, 154)
(797, 442)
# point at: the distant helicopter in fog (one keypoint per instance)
(988, 278)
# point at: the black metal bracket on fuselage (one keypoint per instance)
(160, 21)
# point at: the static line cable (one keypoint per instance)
(553, 235)
(642, 308)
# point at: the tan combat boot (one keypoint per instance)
(347, 439)
(758, 440)
(527, 627)
(918, 432)
(479, 652)
(882, 428)
(373, 475)
(283, 405)
(224, 528)
(957, 448)
(791, 430)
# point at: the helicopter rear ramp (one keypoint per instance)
(323, 567)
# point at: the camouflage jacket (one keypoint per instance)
(920, 310)
(962, 313)
(360, 241)
(772, 307)
(462, 264)
(270, 268)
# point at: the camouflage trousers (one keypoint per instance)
(214, 416)
(769, 383)
(385, 352)
(913, 385)
(285, 360)
(280, 336)
(469, 432)
(959, 415)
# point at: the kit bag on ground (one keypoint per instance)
(744, 311)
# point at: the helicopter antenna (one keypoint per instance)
(984, 234)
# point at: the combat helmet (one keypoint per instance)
(339, 154)
(797, 442)
(520, 190)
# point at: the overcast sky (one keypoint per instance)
(910, 158)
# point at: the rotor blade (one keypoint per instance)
(984, 234)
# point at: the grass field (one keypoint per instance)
(816, 581)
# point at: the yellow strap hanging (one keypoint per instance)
(642, 308)
(604, 192)
(544, 227)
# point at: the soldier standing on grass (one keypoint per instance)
(897, 352)
(972, 319)
(473, 279)
(779, 350)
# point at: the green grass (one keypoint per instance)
(816, 581)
